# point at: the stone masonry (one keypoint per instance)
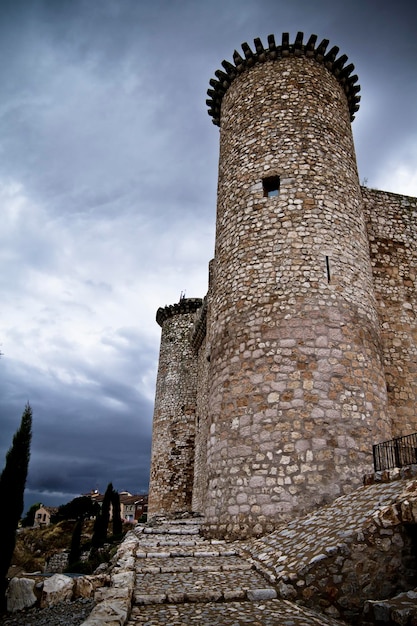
(272, 390)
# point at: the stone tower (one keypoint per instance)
(297, 394)
(272, 391)
(172, 463)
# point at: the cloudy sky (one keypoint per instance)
(108, 166)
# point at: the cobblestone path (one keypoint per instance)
(183, 579)
(166, 573)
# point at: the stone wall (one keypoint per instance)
(362, 546)
(57, 563)
(391, 225)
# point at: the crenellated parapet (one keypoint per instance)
(337, 66)
(185, 305)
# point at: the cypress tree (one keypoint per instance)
(75, 549)
(117, 520)
(102, 520)
(12, 487)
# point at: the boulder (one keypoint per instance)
(20, 594)
(57, 588)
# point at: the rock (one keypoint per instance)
(124, 579)
(100, 580)
(20, 594)
(108, 613)
(102, 568)
(57, 588)
(377, 610)
(109, 594)
(286, 591)
(83, 587)
(261, 594)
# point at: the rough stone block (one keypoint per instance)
(20, 594)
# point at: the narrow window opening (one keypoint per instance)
(271, 186)
(328, 269)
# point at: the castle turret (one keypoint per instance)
(297, 391)
(172, 459)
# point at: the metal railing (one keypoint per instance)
(397, 452)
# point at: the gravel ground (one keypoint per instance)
(62, 614)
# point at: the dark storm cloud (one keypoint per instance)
(108, 168)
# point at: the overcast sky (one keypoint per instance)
(108, 172)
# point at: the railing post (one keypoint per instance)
(397, 452)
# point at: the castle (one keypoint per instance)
(272, 390)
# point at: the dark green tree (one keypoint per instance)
(117, 520)
(12, 487)
(79, 508)
(75, 549)
(29, 518)
(102, 520)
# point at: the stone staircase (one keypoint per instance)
(335, 559)
(182, 578)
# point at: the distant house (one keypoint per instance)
(132, 507)
(43, 516)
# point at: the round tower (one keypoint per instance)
(172, 458)
(297, 391)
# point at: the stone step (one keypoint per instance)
(202, 586)
(192, 564)
(159, 541)
(172, 529)
(169, 540)
(266, 612)
(198, 551)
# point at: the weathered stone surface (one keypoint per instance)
(108, 594)
(261, 594)
(83, 587)
(125, 579)
(109, 613)
(356, 549)
(20, 594)
(57, 588)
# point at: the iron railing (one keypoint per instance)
(397, 452)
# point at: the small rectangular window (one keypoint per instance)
(271, 186)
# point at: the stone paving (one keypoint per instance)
(268, 613)
(181, 578)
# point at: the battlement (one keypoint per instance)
(342, 72)
(185, 305)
